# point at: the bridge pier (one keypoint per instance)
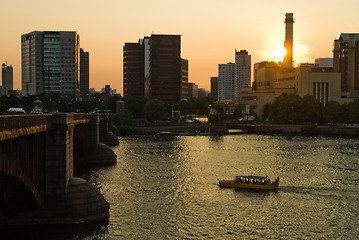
(68, 200)
(37, 167)
(107, 137)
(112, 128)
(96, 152)
(59, 160)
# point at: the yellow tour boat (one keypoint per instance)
(256, 182)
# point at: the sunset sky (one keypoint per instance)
(210, 30)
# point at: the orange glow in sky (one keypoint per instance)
(210, 30)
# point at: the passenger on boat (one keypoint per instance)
(275, 182)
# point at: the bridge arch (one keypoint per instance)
(10, 169)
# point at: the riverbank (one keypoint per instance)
(265, 129)
(187, 128)
(303, 129)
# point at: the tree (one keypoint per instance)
(111, 103)
(155, 110)
(333, 113)
(183, 106)
(198, 105)
(291, 108)
(238, 112)
(124, 118)
(353, 110)
(311, 110)
(267, 112)
(136, 106)
(274, 111)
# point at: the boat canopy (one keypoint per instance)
(254, 176)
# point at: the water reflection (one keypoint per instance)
(89, 231)
(166, 187)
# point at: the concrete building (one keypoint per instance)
(105, 94)
(50, 63)
(214, 88)
(324, 62)
(271, 82)
(84, 74)
(233, 77)
(346, 61)
(7, 78)
(192, 90)
(153, 68)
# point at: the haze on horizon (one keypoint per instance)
(210, 30)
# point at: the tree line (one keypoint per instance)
(156, 110)
(152, 109)
(149, 109)
(285, 109)
(54, 103)
(291, 108)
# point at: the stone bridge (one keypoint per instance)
(37, 157)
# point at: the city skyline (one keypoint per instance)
(210, 31)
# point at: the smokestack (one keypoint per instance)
(288, 43)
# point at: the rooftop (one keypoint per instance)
(345, 37)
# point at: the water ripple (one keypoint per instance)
(167, 188)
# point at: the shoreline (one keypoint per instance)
(263, 129)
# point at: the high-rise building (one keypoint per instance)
(135, 81)
(7, 78)
(184, 79)
(165, 68)
(226, 74)
(346, 61)
(50, 63)
(153, 68)
(214, 88)
(84, 74)
(233, 77)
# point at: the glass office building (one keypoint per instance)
(51, 63)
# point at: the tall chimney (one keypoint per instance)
(288, 43)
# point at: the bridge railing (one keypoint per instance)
(11, 122)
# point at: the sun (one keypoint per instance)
(279, 54)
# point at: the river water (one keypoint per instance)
(166, 187)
